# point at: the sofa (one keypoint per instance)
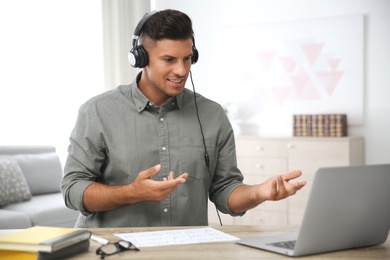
(30, 194)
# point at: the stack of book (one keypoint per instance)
(332, 125)
(44, 243)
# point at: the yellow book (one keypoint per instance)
(17, 255)
(69, 251)
(43, 239)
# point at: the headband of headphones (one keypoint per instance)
(140, 25)
(138, 56)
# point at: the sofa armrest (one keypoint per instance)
(9, 150)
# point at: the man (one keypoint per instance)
(150, 153)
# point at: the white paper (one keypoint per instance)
(176, 237)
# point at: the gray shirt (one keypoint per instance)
(120, 133)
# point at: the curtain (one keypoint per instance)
(120, 18)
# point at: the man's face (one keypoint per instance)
(168, 69)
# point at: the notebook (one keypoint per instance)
(348, 207)
(43, 239)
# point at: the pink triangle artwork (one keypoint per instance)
(294, 67)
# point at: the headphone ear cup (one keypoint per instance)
(132, 58)
(195, 55)
(138, 57)
(143, 57)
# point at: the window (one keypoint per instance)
(51, 62)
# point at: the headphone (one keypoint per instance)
(138, 56)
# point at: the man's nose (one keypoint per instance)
(180, 68)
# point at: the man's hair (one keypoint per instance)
(167, 24)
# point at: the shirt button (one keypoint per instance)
(165, 210)
(163, 148)
(161, 119)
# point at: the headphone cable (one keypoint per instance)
(206, 155)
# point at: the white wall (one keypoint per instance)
(209, 16)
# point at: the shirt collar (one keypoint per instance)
(143, 102)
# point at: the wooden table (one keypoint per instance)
(221, 250)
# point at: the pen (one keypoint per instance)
(99, 240)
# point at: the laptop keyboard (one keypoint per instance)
(284, 244)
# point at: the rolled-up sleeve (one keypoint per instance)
(85, 159)
(227, 176)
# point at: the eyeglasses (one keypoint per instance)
(114, 248)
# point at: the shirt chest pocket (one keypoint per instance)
(193, 157)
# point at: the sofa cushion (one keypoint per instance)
(13, 185)
(42, 171)
(46, 210)
(10, 219)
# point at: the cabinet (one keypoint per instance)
(308, 154)
(261, 158)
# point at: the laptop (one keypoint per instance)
(348, 207)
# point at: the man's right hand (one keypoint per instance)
(101, 197)
(146, 189)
